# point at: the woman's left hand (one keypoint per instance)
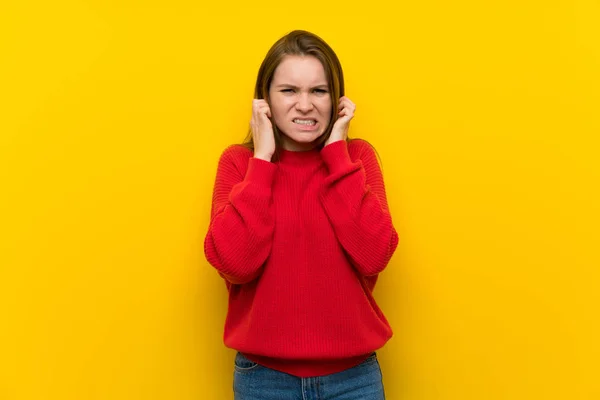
(340, 127)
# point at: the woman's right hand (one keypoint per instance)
(262, 130)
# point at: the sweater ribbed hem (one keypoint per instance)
(307, 368)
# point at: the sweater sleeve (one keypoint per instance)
(239, 237)
(354, 199)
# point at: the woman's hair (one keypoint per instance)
(299, 43)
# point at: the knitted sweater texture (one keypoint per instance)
(300, 244)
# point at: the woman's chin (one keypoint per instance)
(305, 136)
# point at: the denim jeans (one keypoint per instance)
(252, 381)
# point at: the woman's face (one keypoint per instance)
(300, 101)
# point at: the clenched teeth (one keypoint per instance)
(305, 121)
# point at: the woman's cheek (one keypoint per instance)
(325, 106)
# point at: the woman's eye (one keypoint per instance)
(320, 91)
(287, 90)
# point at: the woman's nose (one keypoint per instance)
(304, 103)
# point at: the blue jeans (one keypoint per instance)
(252, 381)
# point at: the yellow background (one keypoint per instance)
(113, 115)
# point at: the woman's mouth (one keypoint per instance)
(306, 122)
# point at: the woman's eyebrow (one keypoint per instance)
(321, 86)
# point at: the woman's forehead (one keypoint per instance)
(300, 70)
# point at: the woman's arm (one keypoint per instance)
(239, 238)
(354, 199)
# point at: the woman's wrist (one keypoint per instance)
(265, 157)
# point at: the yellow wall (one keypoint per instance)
(113, 115)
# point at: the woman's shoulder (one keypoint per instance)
(236, 151)
(358, 148)
(236, 154)
(235, 158)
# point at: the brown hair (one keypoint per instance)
(299, 43)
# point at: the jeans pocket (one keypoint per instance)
(243, 364)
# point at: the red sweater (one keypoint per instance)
(300, 243)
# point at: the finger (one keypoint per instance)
(345, 102)
(346, 112)
(265, 110)
(345, 98)
(260, 108)
(258, 103)
(347, 105)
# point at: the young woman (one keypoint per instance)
(299, 231)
